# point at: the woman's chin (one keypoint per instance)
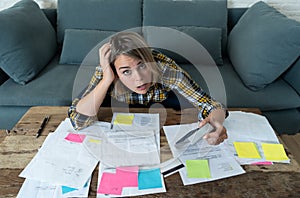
(141, 91)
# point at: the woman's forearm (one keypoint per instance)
(90, 104)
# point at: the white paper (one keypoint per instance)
(141, 122)
(249, 127)
(61, 162)
(175, 132)
(243, 125)
(221, 164)
(124, 148)
(128, 191)
(37, 189)
(134, 144)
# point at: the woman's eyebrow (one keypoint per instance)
(124, 67)
(128, 67)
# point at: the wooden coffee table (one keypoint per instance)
(19, 146)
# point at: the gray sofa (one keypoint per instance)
(80, 25)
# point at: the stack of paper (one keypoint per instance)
(252, 134)
(63, 165)
(203, 162)
(129, 181)
(131, 157)
(251, 140)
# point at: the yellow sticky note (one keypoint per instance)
(126, 119)
(274, 152)
(198, 169)
(246, 150)
(95, 141)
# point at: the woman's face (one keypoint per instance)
(133, 73)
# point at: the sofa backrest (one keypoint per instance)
(190, 17)
(112, 15)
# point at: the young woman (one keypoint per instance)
(131, 72)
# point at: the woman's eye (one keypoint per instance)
(142, 66)
(126, 72)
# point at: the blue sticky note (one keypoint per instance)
(149, 179)
(66, 189)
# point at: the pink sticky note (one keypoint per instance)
(109, 184)
(128, 176)
(73, 137)
(263, 163)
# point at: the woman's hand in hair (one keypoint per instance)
(104, 54)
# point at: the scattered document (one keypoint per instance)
(129, 181)
(135, 121)
(249, 126)
(133, 140)
(71, 168)
(220, 163)
(38, 189)
(129, 148)
(252, 128)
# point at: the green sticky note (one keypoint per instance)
(197, 169)
(126, 119)
(274, 152)
(246, 150)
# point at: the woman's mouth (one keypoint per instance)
(142, 87)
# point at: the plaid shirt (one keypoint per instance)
(173, 78)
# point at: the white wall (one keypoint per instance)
(291, 8)
(42, 3)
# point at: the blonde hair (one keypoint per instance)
(133, 45)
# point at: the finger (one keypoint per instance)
(104, 48)
(215, 138)
(107, 53)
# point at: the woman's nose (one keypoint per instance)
(138, 76)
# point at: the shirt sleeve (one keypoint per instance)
(180, 81)
(78, 120)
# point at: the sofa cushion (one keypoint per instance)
(292, 76)
(169, 13)
(111, 15)
(27, 41)
(78, 43)
(263, 44)
(209, 38)
(277, 96)
(53, 86)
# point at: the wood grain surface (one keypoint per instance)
(19, 146)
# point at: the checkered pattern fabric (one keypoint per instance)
(173, 78)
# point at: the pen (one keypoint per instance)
(46, 119)
(173, 169)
